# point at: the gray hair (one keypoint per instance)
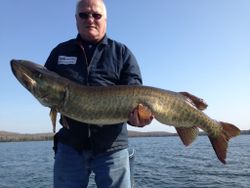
(104, 7)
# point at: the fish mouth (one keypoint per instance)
(23, 75)
(14, 67)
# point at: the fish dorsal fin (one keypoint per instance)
(197, 102)
(53, 115)
(187, 135)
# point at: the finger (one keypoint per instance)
(143, 112)
(133, 118)
(149, 120)
(143, 120)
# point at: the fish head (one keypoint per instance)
(43, 84)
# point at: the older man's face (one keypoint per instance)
(91, 20)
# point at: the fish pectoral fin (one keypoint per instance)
(220, 143)
(196, 101)
(187, 135)
(65, 122)
(53, 115)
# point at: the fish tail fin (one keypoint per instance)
(187, 135)
(220, 143)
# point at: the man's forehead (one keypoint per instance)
(96, 6)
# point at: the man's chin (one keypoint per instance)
(90, 36)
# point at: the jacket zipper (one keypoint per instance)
(87, 82)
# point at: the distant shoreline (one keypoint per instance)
(18, 137)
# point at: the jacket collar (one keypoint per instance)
(104, 41)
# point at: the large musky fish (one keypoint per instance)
(105, 105)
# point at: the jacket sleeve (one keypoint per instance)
(130, 73)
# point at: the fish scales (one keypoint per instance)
(111, 105)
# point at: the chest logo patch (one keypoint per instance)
(67, 60)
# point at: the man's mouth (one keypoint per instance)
(91, 27)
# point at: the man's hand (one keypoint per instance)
(140, 116)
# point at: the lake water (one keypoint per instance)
(160, 162)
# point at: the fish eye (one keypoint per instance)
(39, 75)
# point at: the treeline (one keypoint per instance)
(162, 134)
(149, 134)
(17, 137)
(245, 132)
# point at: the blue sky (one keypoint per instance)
(199, 46)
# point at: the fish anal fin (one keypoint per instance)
(187, 135)
(220, 143)
(53, 115)
(196, 101)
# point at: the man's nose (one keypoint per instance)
(90, 19)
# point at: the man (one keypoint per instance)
(94, 59)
